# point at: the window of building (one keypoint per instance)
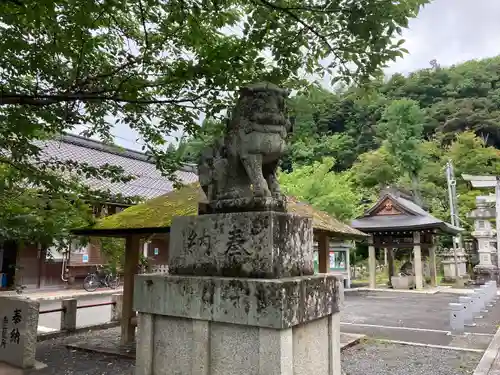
(56, 253)
(338, 260)
(78, 248)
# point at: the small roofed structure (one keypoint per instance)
(154, 217)
(396, 221)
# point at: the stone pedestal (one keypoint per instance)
(403, 282)
(483, 274)
(275, 320)
(244, 244)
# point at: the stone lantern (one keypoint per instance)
(485, 235)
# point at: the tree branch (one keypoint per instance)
(87, 80)
(44, 100)
(143, 21)
(289, 12)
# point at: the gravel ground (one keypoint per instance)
(376, 358)
(63, 361)
(368, 358)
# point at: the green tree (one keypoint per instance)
(402, 127)
(328, 191)
(37, 216)
(155, 65)
(190, 149)
(375, 170)
(114, 251)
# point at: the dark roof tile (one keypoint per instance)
(417, 218)
(149, 183)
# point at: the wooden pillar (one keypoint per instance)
(348, 268)
(372, 263)
(417, 254)
(323, 252)
(41, 252)
(432, 262)
(132, 249)
(390, 263)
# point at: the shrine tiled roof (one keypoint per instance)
(408, 216)
(148, 182)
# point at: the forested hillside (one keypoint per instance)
(348, 144)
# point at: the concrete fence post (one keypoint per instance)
(480, 300)
(456, 318)
(493, 291)
(468, 313)
(116, 308)
(487, 293)
(476, 304)
(491, 297)
(68, 315)
(484, 301)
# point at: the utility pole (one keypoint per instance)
(452, 195)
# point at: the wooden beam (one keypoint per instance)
(323, 252)
(401, 246)
(132, 249)
(390, 265)
(417, 254)
(372, 263)
(432, 265)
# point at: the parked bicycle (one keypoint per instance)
(100, 278)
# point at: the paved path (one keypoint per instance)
(85, 317)
(51, 299)
(416, 318)
(490, 362)
(49, 295)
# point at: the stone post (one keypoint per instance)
(19, 320)
(481, 300)
(468, 311)
(417, 253)
(116, 308)
(241, 298)
(68, 316)
(372, 264)
(456, 318)
(476, 304)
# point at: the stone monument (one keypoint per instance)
(241, 296)
(19, 321)
(447, 256)
(485, 270)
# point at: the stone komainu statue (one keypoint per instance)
(243, 165)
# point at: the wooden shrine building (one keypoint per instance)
(395, 221)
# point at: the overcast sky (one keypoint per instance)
(450, 31)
